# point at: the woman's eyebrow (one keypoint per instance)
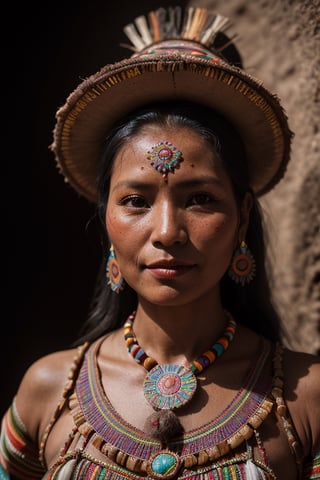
(134, 184)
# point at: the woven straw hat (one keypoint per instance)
(178, 55)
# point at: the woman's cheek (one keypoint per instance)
(224, 230)
(113, 226)
(219, 224)
(121, 228)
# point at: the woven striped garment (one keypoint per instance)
(19, 456)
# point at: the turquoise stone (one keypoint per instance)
(163, 464)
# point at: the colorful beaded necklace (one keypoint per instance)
(168, 387)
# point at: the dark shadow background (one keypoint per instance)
(49, 240)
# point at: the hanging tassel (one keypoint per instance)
(65, 473)
(252, 471)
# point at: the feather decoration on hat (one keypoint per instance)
(196, 24)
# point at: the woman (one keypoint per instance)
(180, 372)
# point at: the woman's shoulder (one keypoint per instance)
(49, 364)
(302, 391)
(303, 370)
(42, 386)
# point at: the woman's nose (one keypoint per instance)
(168, 226)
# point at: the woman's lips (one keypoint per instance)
(169, 269)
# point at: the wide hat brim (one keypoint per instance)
(101, 100)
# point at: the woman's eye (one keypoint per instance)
(200, 199)
(134, 201)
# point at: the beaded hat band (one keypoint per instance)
(177, 56)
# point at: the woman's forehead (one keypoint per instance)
(167, 150)
(160, 141)
(164, 154)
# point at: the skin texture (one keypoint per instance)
(190, 219)
(174, 239)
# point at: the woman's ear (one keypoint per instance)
(245, 210)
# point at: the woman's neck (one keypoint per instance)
(178, 334)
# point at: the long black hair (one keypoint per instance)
(252, 304)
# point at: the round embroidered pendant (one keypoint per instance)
(163, 465)
(169, 386)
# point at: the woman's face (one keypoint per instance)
(174, 236)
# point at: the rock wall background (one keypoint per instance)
(280, 43)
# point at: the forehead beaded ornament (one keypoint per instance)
(165, 158)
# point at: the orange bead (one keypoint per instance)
(211, 355)
(224, 342)
(198, 365)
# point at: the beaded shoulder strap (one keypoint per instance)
(281, 407)
(69, 387)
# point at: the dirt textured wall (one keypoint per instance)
(280, 43)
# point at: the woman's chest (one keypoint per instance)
(228, 432)
(204, 454)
